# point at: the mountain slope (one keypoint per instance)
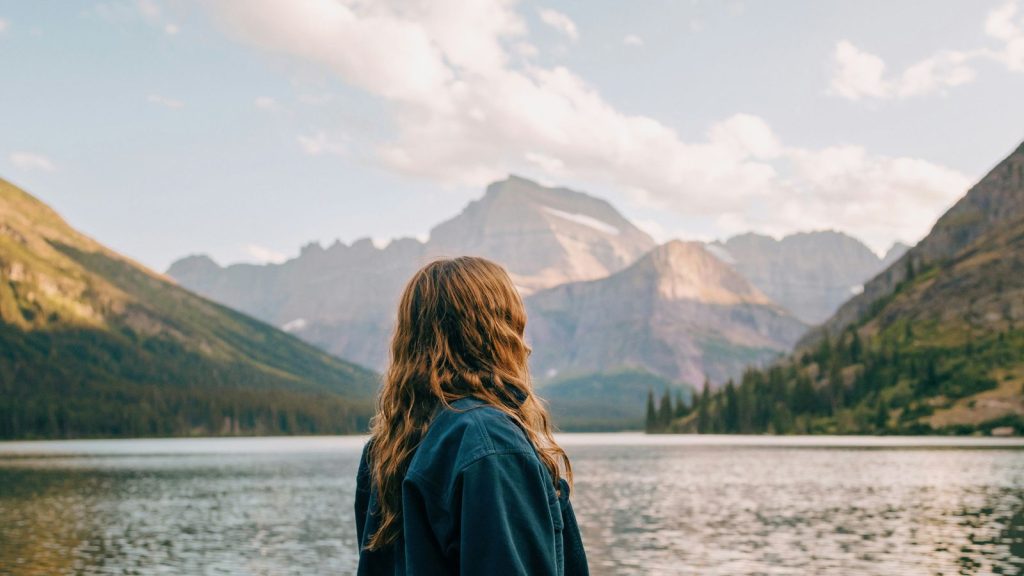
(994, 201)
(93, 344)
(678, 312)
(343, 298)
(939, 348)
(809, 273)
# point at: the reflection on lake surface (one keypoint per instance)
(647, 505)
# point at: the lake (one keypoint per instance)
(646, 505)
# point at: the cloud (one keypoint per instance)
(747, 135)
(559, 22)
(1004, 24)
(31, 162)
(632, 40)
(467, 109)
(319, 144)
(265, 103)
(171, 29)
(165, 101)
(149, 9)
(859, 74)
(4, 25)
(265, 255)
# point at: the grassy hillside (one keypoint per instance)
(943, 352)
(94, 344)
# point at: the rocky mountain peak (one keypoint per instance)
(544, 236)
(688, 271)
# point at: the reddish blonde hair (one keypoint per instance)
(459, 333)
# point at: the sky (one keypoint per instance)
(244, 129)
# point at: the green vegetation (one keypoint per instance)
(941, 353)
(887, 385)
(94, 345)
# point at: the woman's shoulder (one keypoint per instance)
(465, 432)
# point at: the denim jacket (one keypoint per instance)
(476, 500)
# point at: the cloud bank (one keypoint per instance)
(470, 104)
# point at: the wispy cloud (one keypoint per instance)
(265, 103)
(319, 144)
(264, 255)
(4, 25)
(633, 40)
(31, 162)
(165, 101)
(560, 22)
(859, 74)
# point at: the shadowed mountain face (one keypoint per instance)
(934, 344)
(343, 298)
(997, 199)
(810, 274)
(92, 343)
(678, 312)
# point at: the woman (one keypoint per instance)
(462, 474)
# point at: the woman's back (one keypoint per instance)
(476, 500)
(462, 474)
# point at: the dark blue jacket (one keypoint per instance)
(476, 500)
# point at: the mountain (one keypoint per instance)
(677, 312)
(342, 298)
(808, 273)
(94, 344)
(934, 344)
(543, 236)
(894, 253)
(994, 201)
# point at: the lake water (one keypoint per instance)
(646, 505)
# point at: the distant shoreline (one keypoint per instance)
(13, 449)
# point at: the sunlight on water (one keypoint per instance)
(647, 505)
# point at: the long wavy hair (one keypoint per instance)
(459, 333)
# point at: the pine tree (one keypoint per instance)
(824, 352)
(805, 399)
(665, 411)
(836, 387)
(731, 409)
(681, 408)
(651, 424)
(704, 409)
(856, 347)
(881, 416)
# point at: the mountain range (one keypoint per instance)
(677, 312)
(602, 296)
(94, 344)
(342, 298)
(809, 273)
(933, 344)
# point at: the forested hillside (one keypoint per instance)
(93, 344)
(936, 344)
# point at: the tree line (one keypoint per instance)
(846, 385)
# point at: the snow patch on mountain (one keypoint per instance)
(583, 219)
